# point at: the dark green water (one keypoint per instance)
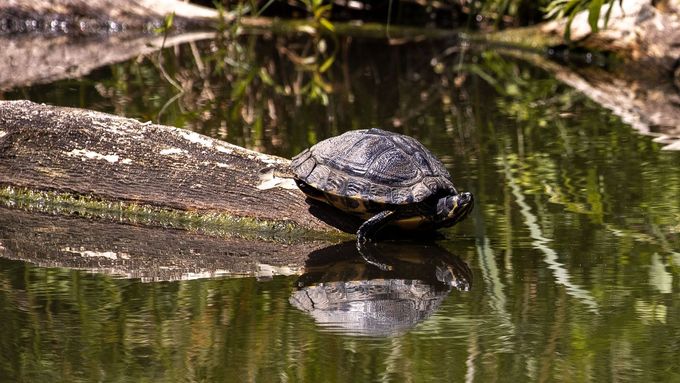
(573, 247)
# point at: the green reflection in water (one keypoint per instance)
(574, 244)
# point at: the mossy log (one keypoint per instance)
(100, 165)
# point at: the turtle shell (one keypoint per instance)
(371, 166)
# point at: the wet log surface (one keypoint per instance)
(111, 158)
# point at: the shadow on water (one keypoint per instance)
(345, 294)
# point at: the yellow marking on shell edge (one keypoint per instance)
(410, 223)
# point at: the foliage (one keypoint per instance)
(320, 12)
(493, 13)
(570, 8)
(511, 10)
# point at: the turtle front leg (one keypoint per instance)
(368, 229)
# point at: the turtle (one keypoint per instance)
(383, 177)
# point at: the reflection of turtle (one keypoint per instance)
(384, 177)
(344, 294)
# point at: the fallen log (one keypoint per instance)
(643, 34)
(78, 161)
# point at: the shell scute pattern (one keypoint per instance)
(352, 204)
(357, 188)
(336, 182)
(401, 196)
(353, 154)
(424, 165)
(421, 191)
(305, 164)
(380, 193)
(373, 166)
(394, 168)
(407, 144)
(318, 177)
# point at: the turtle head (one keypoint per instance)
(454, 208)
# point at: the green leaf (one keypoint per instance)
(555, 9)
(327, 24)
(594, 14)
(322, 10)
(572, 7)
(168, 20)
(567, 28)
(167, 24)
(241, 85)
(326, 64)
(609, 12)
(265, 77)
(259, 11)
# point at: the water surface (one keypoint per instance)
(573, 248)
